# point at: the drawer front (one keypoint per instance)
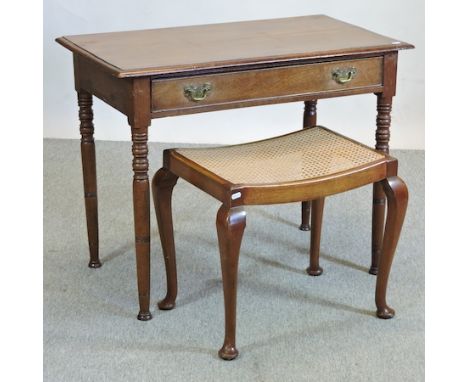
(265, 84)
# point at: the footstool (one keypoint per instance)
(308, 164)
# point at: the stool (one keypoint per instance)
(305, 165)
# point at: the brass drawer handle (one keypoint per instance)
(196, 93)
(342, 76)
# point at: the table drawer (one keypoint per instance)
(264, 84)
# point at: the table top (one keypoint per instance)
(181, 49)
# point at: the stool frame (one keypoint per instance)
(231, 221)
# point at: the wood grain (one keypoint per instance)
(397, 197)
(126, 69)
(265, 84)
(162, 186)
(139, 122)
(179, 49)
(230, 225)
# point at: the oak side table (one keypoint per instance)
(157, 73)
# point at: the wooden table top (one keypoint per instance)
(181, 49)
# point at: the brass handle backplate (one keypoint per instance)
(343, 76)
(196, 93)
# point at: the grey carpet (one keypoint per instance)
(291, 327)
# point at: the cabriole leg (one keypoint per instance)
(162, 186)
(230, 224)
(397, 199)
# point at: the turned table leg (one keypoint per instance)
(310, 120)
(397, 196)
(230, 224)
(88, 161)
(382, 137)
(141, 211)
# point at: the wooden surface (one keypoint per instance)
(143, 74)
(169, 50)
(230, 225)
(262, 85)
(397, 200)
(162, 186)
(231, 217)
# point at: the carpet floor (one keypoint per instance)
(290, 326)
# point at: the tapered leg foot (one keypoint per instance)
(230, 225)
(373, 270)
(397, 199)
(228, 352)
(94, 264)
(144, 316)
(314, 272)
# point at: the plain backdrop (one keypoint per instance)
(354, 115)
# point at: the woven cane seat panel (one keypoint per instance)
(302, 155)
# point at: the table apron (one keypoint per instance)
(167, 96)
(186, 95)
